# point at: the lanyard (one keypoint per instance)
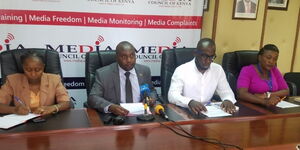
(269, 81)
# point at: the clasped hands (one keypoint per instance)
(272, 101)
(197, 107)
(43, 110)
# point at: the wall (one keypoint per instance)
(235, 34)
(280, 30)
(208, 17)
(296, 67)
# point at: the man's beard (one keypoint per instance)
(199, 66)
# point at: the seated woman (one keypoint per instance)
(263, 83)
(33, 91)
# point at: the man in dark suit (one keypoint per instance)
(120, 82)
(246, 6)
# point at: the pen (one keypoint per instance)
(282, 98)
(21, 102)
(208, 103)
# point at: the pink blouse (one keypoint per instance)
(249, 78)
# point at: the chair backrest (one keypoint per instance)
(233, 62)
(171, 59)
(11, 63)
(95, 60)
(293, 77)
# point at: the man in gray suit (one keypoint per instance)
(246, 6)
(120, 82)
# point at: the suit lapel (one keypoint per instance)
(44, 89)
(139, 74)
(25, 91)
(116, 80)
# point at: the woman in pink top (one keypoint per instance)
(262, 83)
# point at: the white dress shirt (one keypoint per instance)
(247, 6)
(188, 84)
(134, 84)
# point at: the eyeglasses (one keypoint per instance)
(204, 56)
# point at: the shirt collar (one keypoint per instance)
(194, 64)
(122, 71)
(247, 2)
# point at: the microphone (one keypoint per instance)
(145, 92)
(160, 110)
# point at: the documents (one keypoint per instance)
(214, 110)
(135, 108)
(285, 104)
(11, 120)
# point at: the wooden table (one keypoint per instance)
(260, 132)
(74, 118)
(252, 128)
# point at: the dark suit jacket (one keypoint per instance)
(241, 7)
(106, 88)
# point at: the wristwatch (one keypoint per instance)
(268, 94)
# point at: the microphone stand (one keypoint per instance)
(145, 116)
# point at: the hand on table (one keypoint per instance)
(228, 106)
(21, 110)
(44, 110)
(196, 106)
(118, 110)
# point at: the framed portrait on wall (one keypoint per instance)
(245, 9)
(278, 4)
(205, 5)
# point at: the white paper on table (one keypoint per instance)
(11, 120)
(214, 110)
(135, 108)
(285, 104)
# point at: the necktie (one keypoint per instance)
(128, 89)
(248, 10)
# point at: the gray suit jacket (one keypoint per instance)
(106, 88)
(241, 7)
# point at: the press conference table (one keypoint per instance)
(260, 129)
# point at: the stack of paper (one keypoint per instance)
(9, 121)
(135, 108)
(214, 110)
(285, 104)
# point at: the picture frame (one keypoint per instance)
(206, 5)
(278, 4)
(245, 9)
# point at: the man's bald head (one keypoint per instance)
(205, 53)
(124, 46)
(205, 43)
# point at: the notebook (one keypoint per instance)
(12, 120)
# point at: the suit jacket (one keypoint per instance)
(241, 7)
(106, 88)
(51, 90)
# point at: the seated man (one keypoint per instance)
(120, 82)
(194, 83)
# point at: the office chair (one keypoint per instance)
(171, 59)
(11, 63)
(293, 81)
(233, 62)
(94, 61)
